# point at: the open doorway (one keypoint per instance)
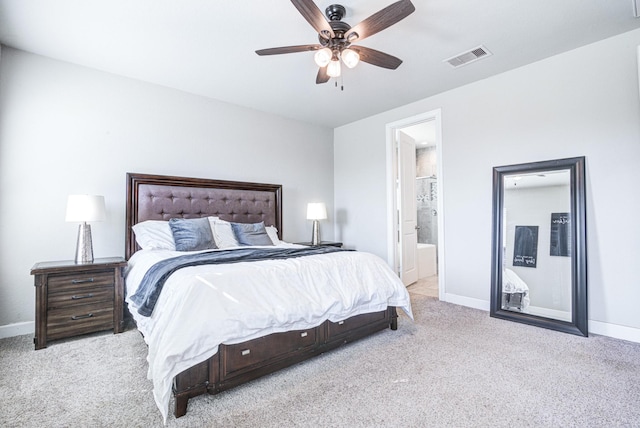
(415, 203)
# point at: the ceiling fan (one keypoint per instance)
(336, 37)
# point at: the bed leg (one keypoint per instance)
(181, 406)
(393, 324)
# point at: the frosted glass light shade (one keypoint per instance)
(323, 57)
(83, 208)
(316, 211)
(333, 69)
(350, 58)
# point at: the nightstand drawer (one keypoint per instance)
(79, 320)
(82, 296)
(58, 283)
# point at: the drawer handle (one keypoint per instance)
(303, 334)
(246, 352)
(86, 296)
(81, 281)
(79, 317)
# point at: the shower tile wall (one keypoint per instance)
(427, 195)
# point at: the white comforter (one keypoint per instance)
(204, 306)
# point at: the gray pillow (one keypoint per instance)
(192, 234)
(251, 233)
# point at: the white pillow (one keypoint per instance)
(222, 233)
(273, 234)
(154, 235)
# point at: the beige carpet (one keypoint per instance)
(453, 367)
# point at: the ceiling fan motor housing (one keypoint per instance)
(335, 12)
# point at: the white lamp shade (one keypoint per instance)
(322, 57)
(350, 58)
(333, 69)
(84, 208)
(316, 211)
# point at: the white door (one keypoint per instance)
(408, 236)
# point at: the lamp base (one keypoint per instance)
(315, 235)
(84, 246)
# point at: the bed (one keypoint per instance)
(215, 326)
(515, 292)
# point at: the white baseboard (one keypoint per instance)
(616, 331)
(17, 329)
(549, 313)
(467, 301)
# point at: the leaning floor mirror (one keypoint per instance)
(539, 272)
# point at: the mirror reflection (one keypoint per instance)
(537, 265)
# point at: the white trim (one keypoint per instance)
(469, 302)
(17, 329)
(622, 332)
(392, 208)
(549, 313)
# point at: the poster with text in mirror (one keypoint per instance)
(525, 250)
(560, 241)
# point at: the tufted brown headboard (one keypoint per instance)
(160, 197)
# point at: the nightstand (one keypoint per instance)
(322, 244)
(74, 299)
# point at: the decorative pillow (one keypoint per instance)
(222, 233)
(154, 235)
(192, 234)
(251, 234)
(273, 234)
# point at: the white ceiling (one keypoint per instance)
(207, 47)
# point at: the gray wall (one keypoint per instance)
(581, 103)
(66, 129)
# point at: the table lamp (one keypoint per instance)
(84, 208)
(316, 211)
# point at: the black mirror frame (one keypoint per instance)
(578, 324)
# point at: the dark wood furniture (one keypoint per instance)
(323, 244)
(155, 197)
(74, 299)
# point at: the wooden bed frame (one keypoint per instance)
(157, 197)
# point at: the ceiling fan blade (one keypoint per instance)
(314, 16)
(288, 49)
(377, 58)
(380, 20)
(322, 76)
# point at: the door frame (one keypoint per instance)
(392, 194)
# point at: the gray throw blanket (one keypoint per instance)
(151, 285)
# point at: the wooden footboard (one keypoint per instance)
(236, 364)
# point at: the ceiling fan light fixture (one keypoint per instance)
(323, 57)
(333, 69)
(350, 57)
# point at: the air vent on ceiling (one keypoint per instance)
(469, 56)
